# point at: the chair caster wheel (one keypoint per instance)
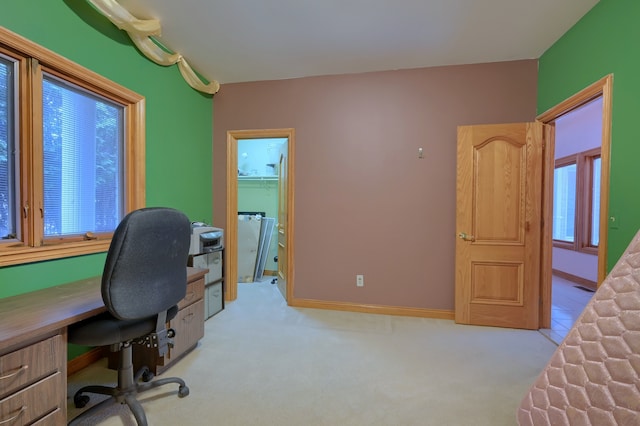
(147, 376)
(80, 401)
(183, 391)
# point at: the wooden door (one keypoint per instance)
(499, 224)
(282, 220)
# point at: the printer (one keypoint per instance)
(205, 239)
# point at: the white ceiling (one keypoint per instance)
(250, 40)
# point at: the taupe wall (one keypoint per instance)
(364, 202)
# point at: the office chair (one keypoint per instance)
(144, 278)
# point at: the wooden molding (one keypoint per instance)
(373, 309)
(575, 279)
(231, 231)
(86, 359)
(604, 88)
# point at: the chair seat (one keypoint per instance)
(105, 329)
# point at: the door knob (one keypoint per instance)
(466, 237)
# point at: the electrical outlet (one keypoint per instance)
(360, 280)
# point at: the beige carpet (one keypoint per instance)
(264, 363)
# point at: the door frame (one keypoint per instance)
(231, 233)
(601, 88)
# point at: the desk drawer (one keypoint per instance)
(189, 327)
(29, 364)
(33, 402)
(195, 292)
(56, 418)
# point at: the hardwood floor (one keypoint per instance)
(567, 303)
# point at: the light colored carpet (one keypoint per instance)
(264, 363)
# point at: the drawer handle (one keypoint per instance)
(188, 317)
(7, 421)
(15, 373)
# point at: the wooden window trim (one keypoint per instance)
(584, 184)
(562, 162)
(586, 197)
(33, 59)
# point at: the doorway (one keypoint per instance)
(602, 91)
(258, 192)
(576, 206)
(241, 168)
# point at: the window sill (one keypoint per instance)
(250, 178)
(21, 255)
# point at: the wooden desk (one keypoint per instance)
(33, 347)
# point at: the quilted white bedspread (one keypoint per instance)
(593, 377)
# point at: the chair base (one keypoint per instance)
(126, 390)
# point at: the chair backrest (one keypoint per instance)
(146, 267)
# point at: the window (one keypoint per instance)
(7, 186)
(576, 202)
(71, 155)
(594, 236)
(82, 142)
(564, 202)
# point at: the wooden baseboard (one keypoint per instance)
(575, 279)
(270, 273)
(374, 309)
(86, 359)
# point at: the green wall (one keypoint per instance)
(605, 41)
(178, 121)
